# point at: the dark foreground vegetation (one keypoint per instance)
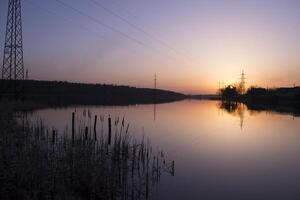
(65, 93)
(95, 160)
(283, 100)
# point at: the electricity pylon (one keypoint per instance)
(242, 85)
(13, 65)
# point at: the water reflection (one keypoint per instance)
(213, 159)
(154, 112)
(235, 109)
(239, 110)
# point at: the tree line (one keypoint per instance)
(60, 92)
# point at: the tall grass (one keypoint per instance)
(87, 162)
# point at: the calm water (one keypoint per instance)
(218, 155)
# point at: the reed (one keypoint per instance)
(77, 165)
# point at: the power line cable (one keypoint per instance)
(97, 21)
(67, 20)
(70, 21)
(86, 29)
(161, 42)
(118, 4)
(155, 38)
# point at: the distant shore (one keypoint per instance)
(58, 93)
(283, 100)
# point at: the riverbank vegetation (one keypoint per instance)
(261, 94)
(283, 100)
(99, 160)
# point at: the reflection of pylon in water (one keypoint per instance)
(154, 97)
(154, 111)
(241, 113)
(236, 109)
(242, 85)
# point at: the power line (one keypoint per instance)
(65, 19)
(136, 27)
(70, 21)
(83, 27)
(119, 5)
(50, 12)
(153, 37)
(161, 42)
(97, 21)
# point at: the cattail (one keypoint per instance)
(173, 168)
(73, 127)
(123, 121)
(89, 113)
(95, 128)
(127, 128)
(53, 136)
(109, 130)
(86, 132)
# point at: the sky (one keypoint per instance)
(191, 44)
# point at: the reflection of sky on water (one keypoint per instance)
(214, 157)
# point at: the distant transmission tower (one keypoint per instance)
(242, 86)
(155, 81)
(13, 66)
(154, 97)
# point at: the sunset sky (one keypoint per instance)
(190, 44)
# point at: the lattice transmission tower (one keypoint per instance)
(155, 81)
(242, 85)
(13, 65)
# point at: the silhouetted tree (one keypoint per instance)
(257, 91)
(229, 92)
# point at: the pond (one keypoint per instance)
(219, 153)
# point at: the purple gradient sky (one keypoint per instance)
(210, 40)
